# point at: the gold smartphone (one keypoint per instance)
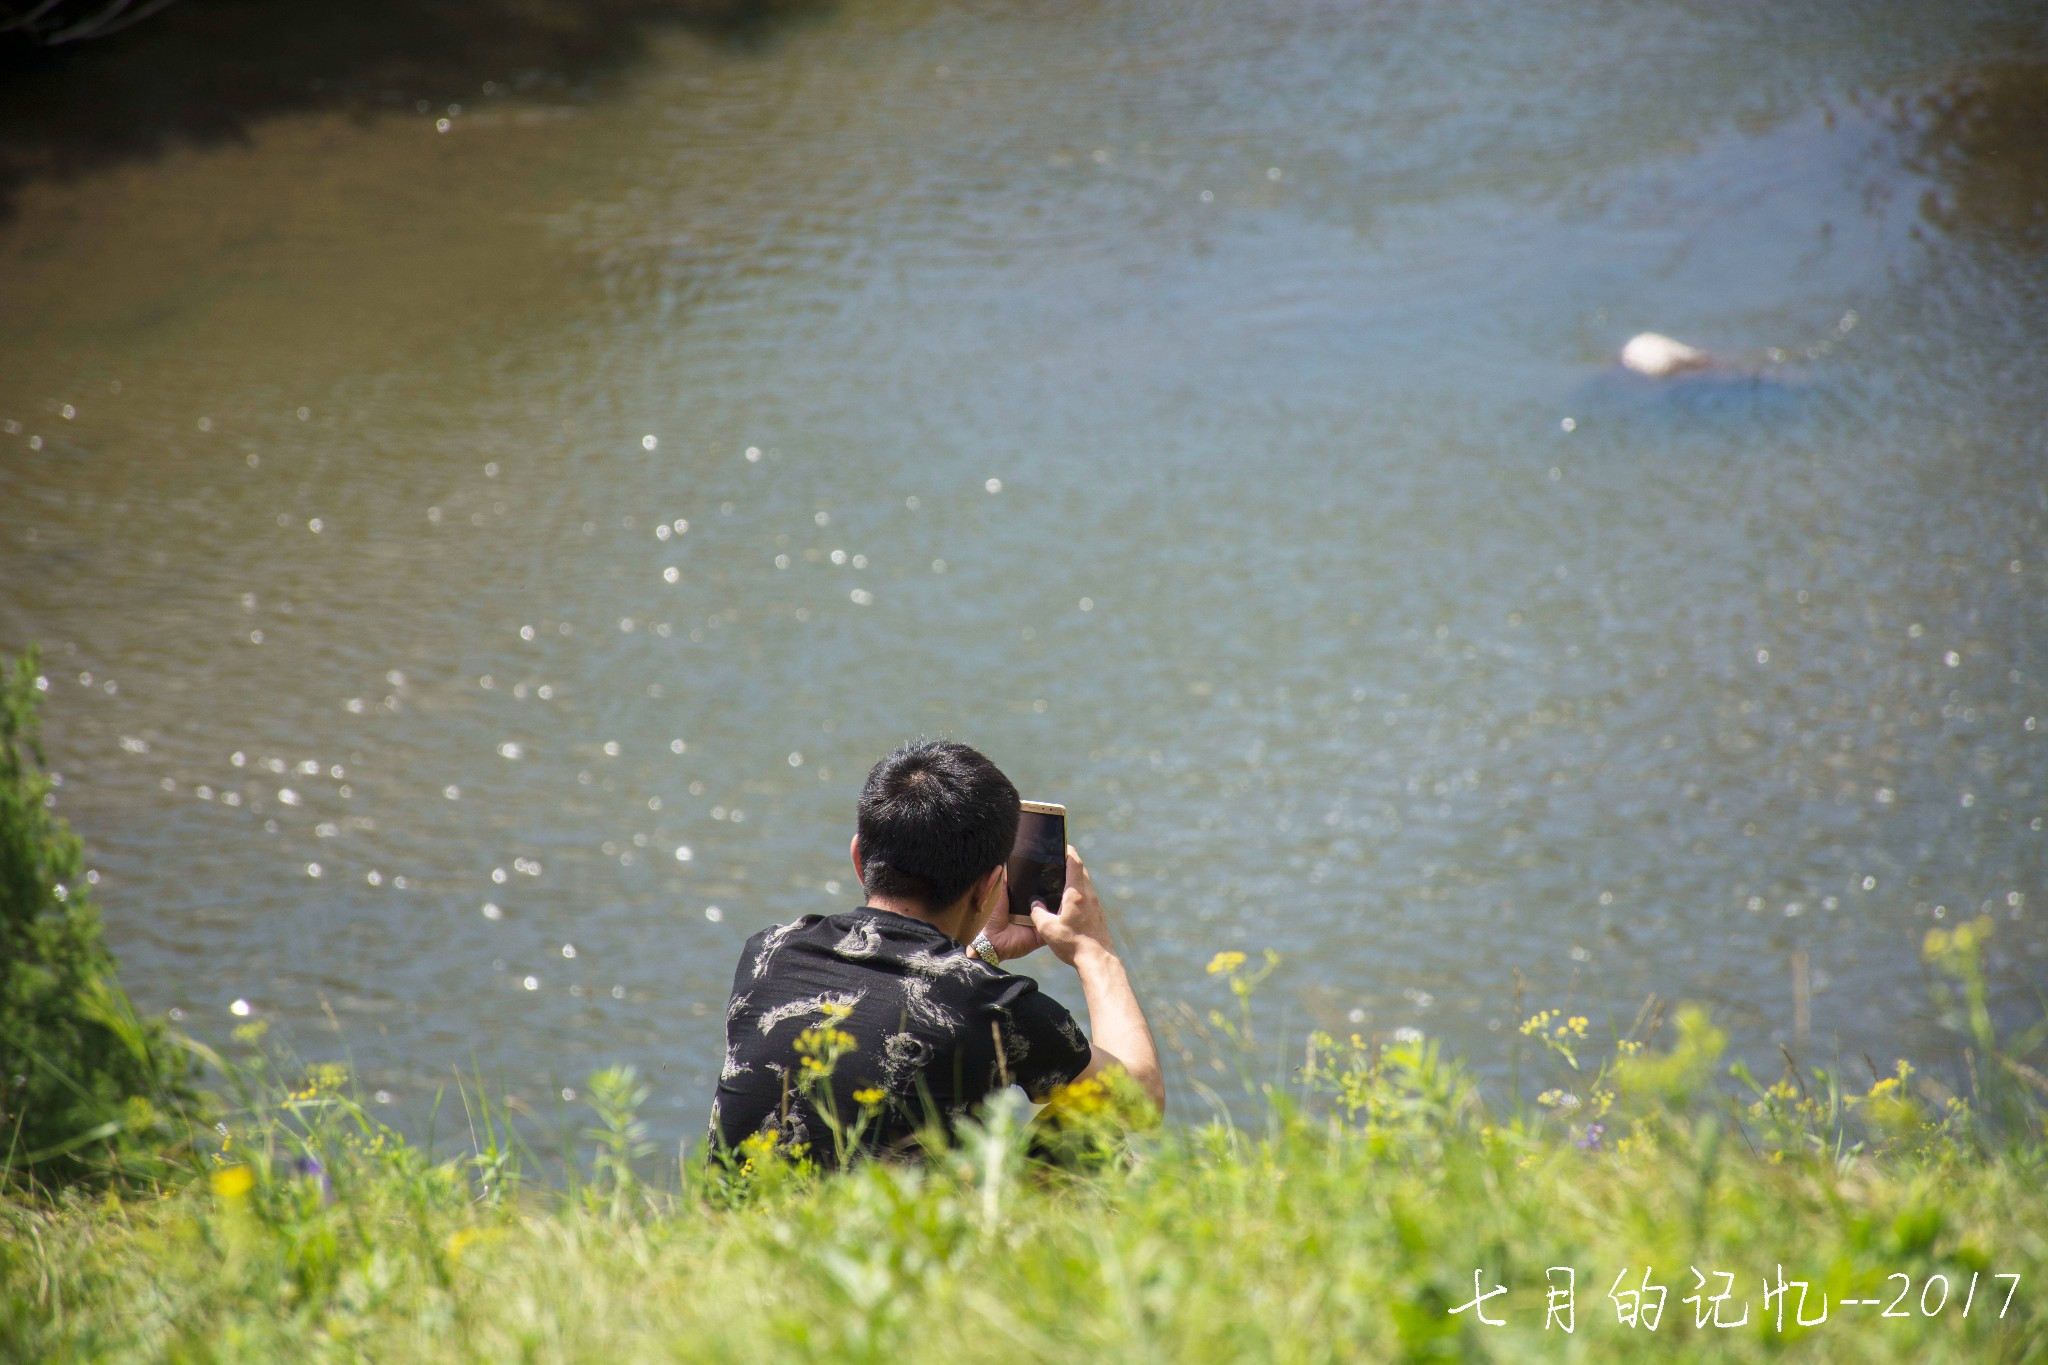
(1038, 862)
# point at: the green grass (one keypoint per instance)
(85, 1082)
(1343, 1225)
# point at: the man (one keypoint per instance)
(850, 1033)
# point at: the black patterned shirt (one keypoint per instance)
(933, 1031)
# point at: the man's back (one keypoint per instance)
(933, 1031)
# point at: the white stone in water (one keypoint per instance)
(1659, 356)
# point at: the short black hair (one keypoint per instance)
(934, 816)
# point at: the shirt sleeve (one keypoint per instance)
(1043, 1048)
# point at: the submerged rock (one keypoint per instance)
(1659, 356)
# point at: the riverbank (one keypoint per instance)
(1654, 1201)
(1375, 1200)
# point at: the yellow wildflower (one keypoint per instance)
(1223, 964)
(233, 1182)
(1081, 1101)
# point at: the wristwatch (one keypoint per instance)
(985, 950)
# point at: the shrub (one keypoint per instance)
(88, 1088)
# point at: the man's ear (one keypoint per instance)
(853, 851)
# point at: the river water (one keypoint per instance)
(478, 552)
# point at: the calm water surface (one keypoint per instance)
(477, 565)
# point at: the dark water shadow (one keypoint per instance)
(1980, 138)
(1983, 137)
(203, 71)
(1709, 404)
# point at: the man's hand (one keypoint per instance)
(1011, 940)
(1080, 926)
(1079, 936)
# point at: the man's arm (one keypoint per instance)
(1079, 936)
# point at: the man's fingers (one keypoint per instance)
(1077, 872)
(1014, 938)
(1041, 917)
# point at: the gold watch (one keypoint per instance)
(985, 949)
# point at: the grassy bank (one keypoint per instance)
(1347, 1224)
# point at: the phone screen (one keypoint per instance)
(1038, 862)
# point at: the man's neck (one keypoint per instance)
(952, 921)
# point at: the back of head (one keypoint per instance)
(933, 817)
